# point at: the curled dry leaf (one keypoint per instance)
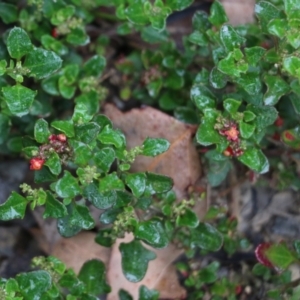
(181, 161)
(161, 275)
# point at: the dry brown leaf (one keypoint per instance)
(161, 275)
(74, 251)
(181, 161)
(239, 11)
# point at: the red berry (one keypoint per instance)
(61, 137)
(288, 136)
(228, 151)
(54, 32)
(52, 138)
(36, 163)
(265, 45)
(260, 253)
(278, 122)
(238, 289)
(276, 136)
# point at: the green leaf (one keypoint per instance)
(291, 6)
(110, 215)
(65, 90)
(87, 105)
(8, 13)
(218, 167)
(137, 183)
(92, 274)
(3, 65)
(146, 294)
(18, 43)
(157, 184)
(198, 38)
(123, 295)
(78, 37)
(50, 85)
(206, 133)
(104, 238)
(186, 115)
(291, 35)
(94, 66)
(277, 87)
(67, 186)
(53, 163)
(218, 170)
(217, 14)
(104, 158)
(255, 160)
(62, 15)
(265, 115)
(188, 218)
(200, 21)
(87, 133)
(207, 237)
(229, 66)
(135, 259)
(153, 36)
(246, 130)
(4, 127)
(42, 63)
(231, 105)
(43, 175)
(230, 38)
(154, 146)
(111, 182)
(217, 79)
(109, 136)
(50, 43)
(294, 100)
(13, 208)
(100, 200)
(157, 13)
(278, 27)
(178, 4)
(291, 64)
(78, 218)
(18, 99)
(209, 273)
(250, 82)
(70, 73)
(41, 131)
(280, 256)
(266, 11)
(153, 233)
(154, 87)
(83, 153)
(135, 13)
(202, 97)
(33, 284)
(66, 127)
(249, 116)
(54, 208)
(254, 54)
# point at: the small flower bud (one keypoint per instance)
(228, 151)
(61, 137)
(52, 138)
(54, 32)
(36, 163)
